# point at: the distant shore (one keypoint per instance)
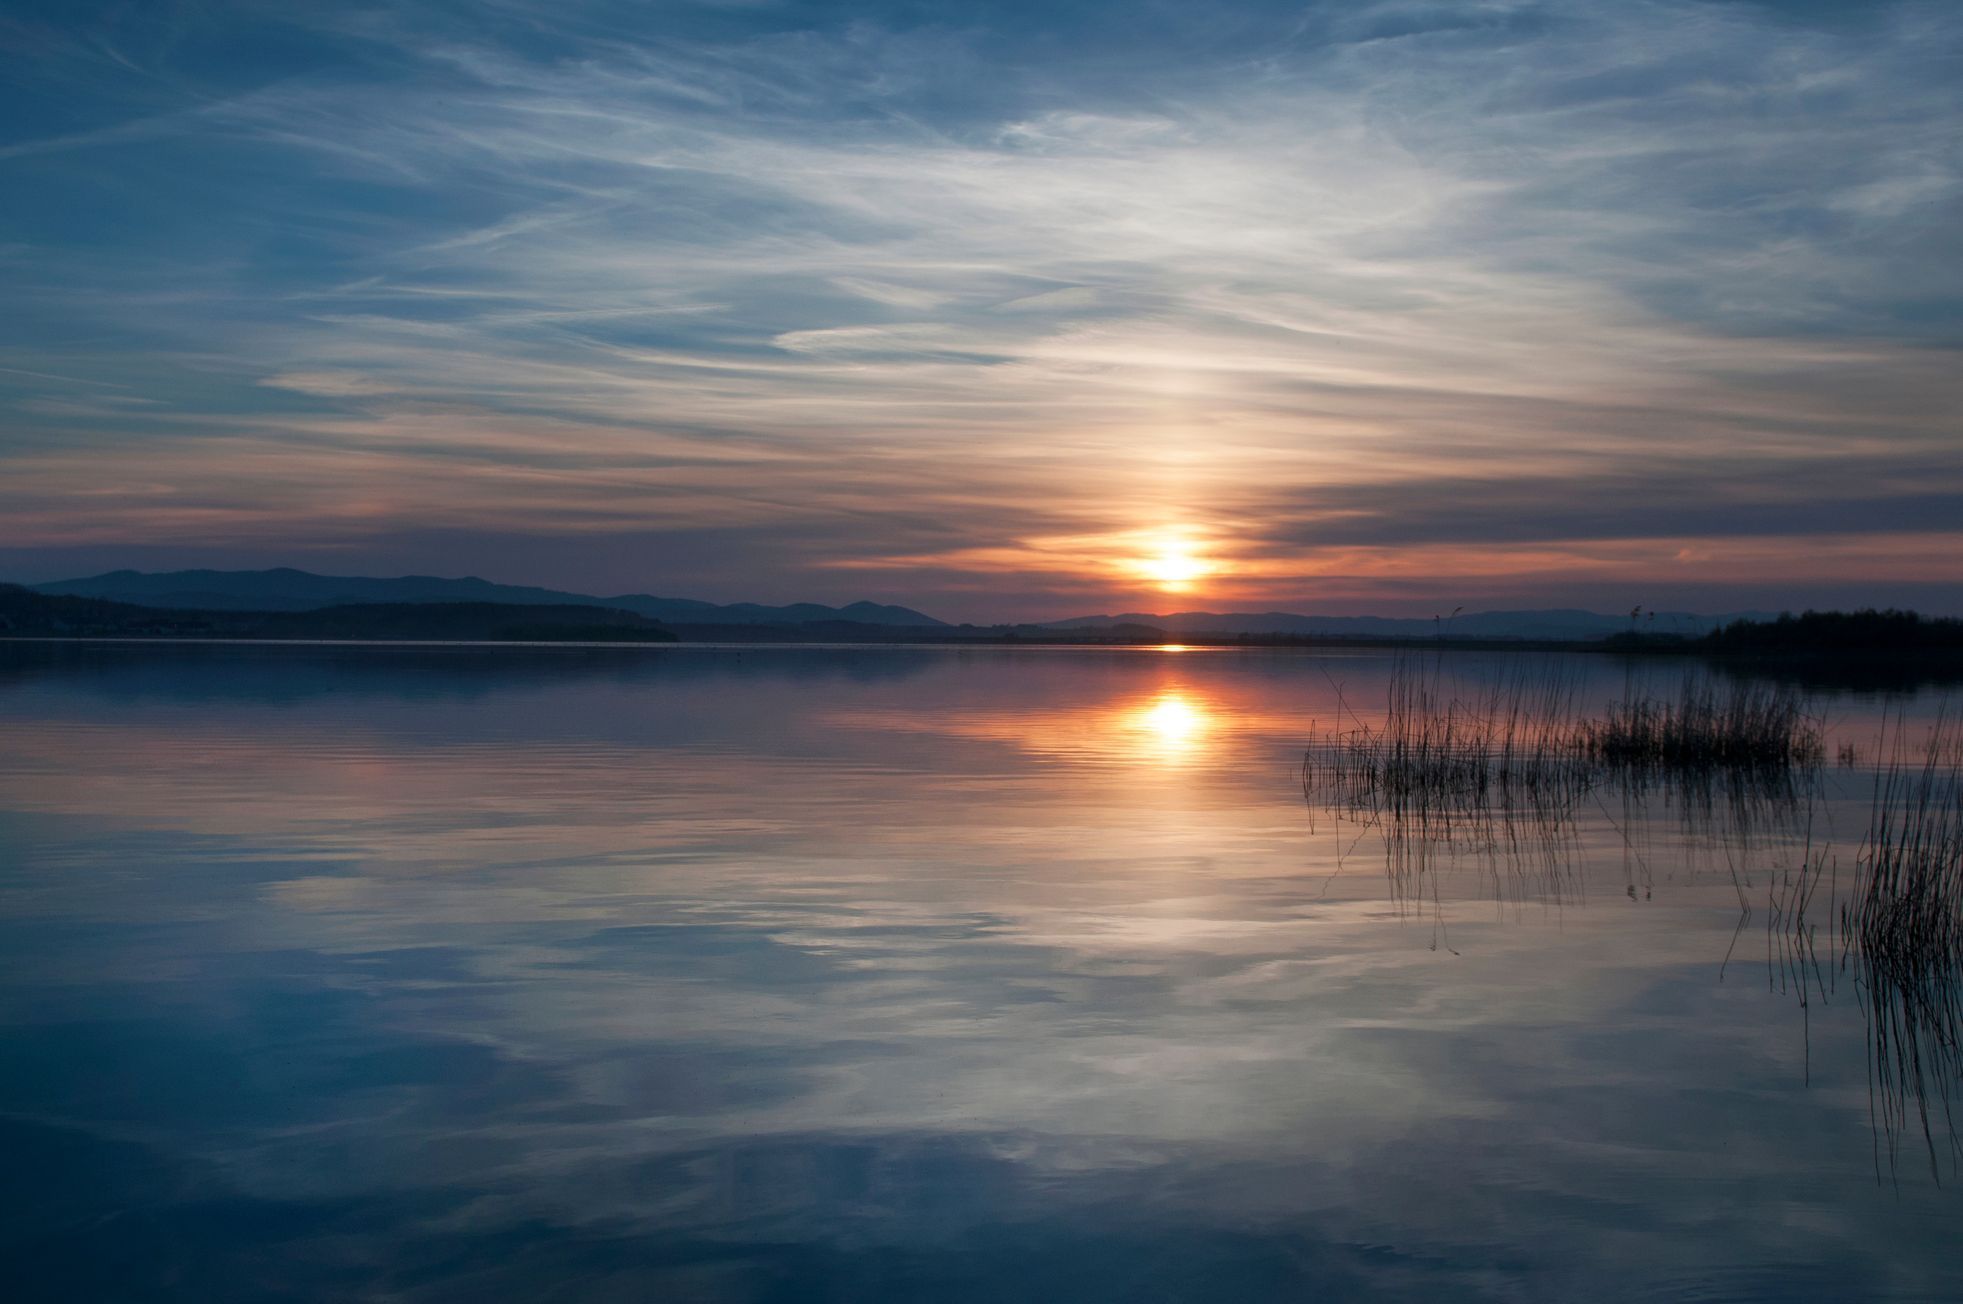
(1884, 648)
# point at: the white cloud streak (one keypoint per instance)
(1612, 241)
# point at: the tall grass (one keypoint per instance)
(1437, 753)
(1494, 777)
(1742, 726)
(1501, 774)
(1520, 745)
(1447, 774)
(1908, 923)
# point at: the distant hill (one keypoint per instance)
(24, 612)
(1567, 625)
(1840, 633)
(285, 589)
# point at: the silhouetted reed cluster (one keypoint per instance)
(1742, 725)
(1492, 778)
(1907, 921)
(1440, 755)
(1520, 745)
(1498, 775)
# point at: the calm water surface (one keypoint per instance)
(882, 974)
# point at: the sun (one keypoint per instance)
(1175, 567)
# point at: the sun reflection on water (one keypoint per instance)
(1174, 726)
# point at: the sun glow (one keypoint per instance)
(1171, 727)
(1174, 565)
(1173, 724)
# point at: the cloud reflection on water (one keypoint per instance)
(602, 980)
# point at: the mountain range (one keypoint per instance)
(25, 613)
(1561, 624)
(286, 589)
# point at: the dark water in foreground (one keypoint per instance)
(879, 974)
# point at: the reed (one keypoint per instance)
(1907, 922)
(1521, 746)
(1440, 753)
(1495, 777)
(1743, 725)
(1500, 774)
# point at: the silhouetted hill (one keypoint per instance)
(1841, 633)
(24, 612)
(495, 621)
(1565, 625)
(1825, 651)
(286, 589)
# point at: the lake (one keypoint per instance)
(864, 974)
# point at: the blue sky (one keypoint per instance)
(994, 309)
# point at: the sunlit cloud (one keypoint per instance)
(1358, 302)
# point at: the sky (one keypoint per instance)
(997, 310)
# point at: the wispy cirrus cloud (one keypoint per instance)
(1453, 290)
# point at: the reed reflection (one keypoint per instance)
(1721, 783)
(1021, 939)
